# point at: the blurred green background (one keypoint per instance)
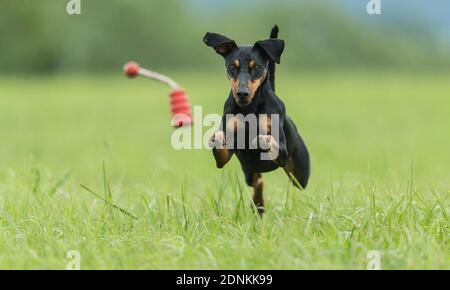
(39, 37)
(370, 95)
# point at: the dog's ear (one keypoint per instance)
(221, 44)
(273, 48)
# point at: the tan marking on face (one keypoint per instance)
(237, 63)
(234, 86)
(253, 85)
(265, 124)
(252, 64)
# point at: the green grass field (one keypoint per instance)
(379, 143)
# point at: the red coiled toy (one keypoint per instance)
(179, 102)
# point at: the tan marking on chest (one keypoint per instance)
(233, 125)
(265, 124)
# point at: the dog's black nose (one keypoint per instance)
(242, 94)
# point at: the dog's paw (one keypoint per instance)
(263, 142)
(217, 140)
(261, 210)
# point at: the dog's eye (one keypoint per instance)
(232, 67)
(257, 67)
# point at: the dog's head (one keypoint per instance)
(247, 65)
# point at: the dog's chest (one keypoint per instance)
(250, 160)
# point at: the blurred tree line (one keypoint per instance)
(39, 36)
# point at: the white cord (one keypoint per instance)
(159, 77)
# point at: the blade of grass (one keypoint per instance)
(106, 187)
(60, 183)
(109, 202)
(36, 180)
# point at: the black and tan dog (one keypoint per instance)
(251, 70)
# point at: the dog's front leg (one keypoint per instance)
(273, 145)
(220, 151)
(271, 149)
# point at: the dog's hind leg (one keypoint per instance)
(298, 165)
(255, 180)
